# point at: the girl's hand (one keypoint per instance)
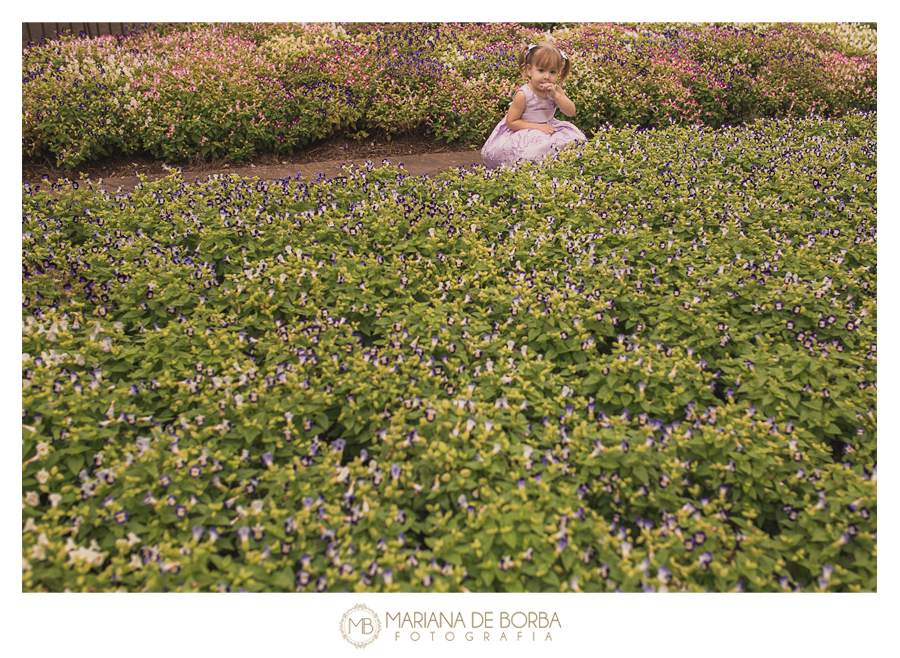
(545, 128)
(552, 90)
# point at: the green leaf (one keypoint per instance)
(75, 463)
(284, 579)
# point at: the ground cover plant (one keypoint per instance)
(202, 91)
(648, 364)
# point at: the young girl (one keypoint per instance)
(529, 130)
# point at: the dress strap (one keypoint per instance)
(525, 90)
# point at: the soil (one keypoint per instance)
(335, 148)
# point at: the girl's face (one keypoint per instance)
(541, 74)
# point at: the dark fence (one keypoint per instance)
(34, 32)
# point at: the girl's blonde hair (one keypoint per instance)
(544, 54)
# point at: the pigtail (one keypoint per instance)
(521, 56)
(566, 68)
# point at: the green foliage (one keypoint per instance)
(648, 362)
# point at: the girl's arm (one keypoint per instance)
(514, 116)
(562, 101)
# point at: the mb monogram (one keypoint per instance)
(360, 626)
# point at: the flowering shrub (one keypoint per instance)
(647, 364)
(235, 90)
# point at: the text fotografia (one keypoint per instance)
(482, 626)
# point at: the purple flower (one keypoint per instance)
(705, 560)
(395, 472)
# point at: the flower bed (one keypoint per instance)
(648, 364)
(238, 90)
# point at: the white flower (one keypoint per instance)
(133, 539)
(29, 525)
(42, 476)
(55, 498)
(38, 552)
(31, 497)
(91, 556)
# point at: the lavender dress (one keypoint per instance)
(506, 146)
